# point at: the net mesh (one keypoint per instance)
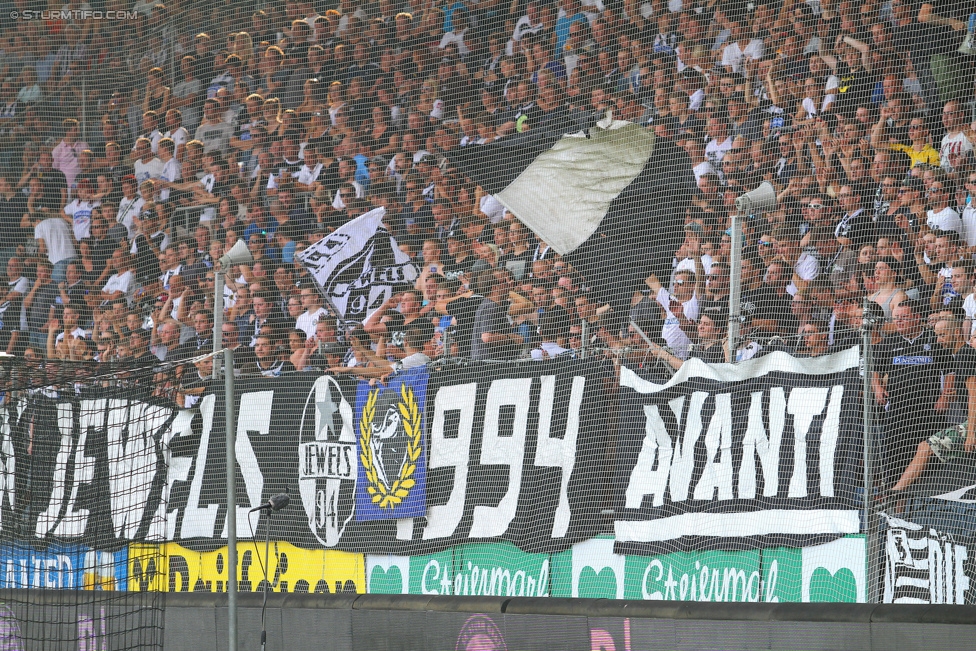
(537, 298)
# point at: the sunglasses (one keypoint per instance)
(815, 206)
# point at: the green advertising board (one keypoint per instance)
(832, 572)
(490, 569)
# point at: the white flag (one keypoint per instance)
(359, 266)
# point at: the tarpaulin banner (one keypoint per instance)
(751, 455)
(511, 452)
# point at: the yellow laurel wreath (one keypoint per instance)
(410, 412)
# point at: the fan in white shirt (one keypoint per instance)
(740, 47)
(940, 216)
(308, 175)
(528, 25)
(171, 171)
(720, 142)
(80, 210)
(175, 131)
(120, 284)
(146, 166)
(314, 310)
(130, 205)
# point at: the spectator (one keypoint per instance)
(267, 316)
(680, 309)
(389, 327)
(956, 143)
(492, 336)
(941, 216)
(201, 341)
(118, 280)
(553, 336)
(14, 316)
(65, 155)
(214, 132)
(56, 241)
(53, 182)
(269, 361)
(311, 300)
(888, 282)
(959, 437)
(243, 355)
(907, 380)
(79, 211)
(41, 304)
(165, 337)
(171, 170)
(416, 345)
(147, 166)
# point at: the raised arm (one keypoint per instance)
(877, 131)
(374, 323)
(927, 15)
(863, 48)
(829, 59)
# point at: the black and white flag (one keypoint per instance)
(584, 172)
(610, 198)
(926, 566)
(359, 266)
(756, 454)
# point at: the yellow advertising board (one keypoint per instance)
(173, 568)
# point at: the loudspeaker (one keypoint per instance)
(237, 255)
(759, 200)
(967, 45)
(873, 314)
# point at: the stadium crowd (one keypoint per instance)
(137, 152)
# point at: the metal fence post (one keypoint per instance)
(870, 528)
(735, 285)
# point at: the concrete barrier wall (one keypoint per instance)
(395, 623)
(101, 621)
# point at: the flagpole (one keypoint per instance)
(230, 455)
(238, 254)
(871, 533)
(735, 285)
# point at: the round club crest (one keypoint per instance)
(327, 461)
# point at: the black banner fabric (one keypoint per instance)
(512, 455)
(514, 452)
(763, 453)
(86, 468)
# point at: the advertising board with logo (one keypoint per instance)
(831, 572)
(172, 568)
